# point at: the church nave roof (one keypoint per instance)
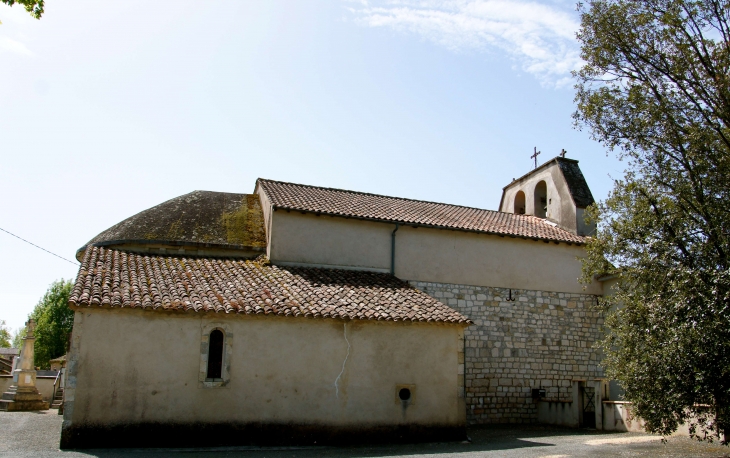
(353, 204)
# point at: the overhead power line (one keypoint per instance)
(49, 252)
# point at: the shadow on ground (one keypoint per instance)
(491, 438)
(36, 435)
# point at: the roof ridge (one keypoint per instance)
(257, 261)
(392, 197)
(214, 192)
(557, 159)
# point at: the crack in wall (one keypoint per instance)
(337, 388)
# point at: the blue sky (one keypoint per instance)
(113, 107)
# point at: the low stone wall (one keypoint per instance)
(570, 412)
(43, 383)
(617, 417)
(561, 413)
(521, 340)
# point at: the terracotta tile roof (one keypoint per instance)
(115, 278)
(351, 204)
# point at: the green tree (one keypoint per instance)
(54, 322)
(655, 89)
(34, 7)
(4, 335)
(18, 338)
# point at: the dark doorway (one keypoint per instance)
(588, 395)
(215, 354)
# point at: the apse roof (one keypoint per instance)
(199, 218)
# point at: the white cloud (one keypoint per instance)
(10, 45)
(539, 37)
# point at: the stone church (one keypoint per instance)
(303, 314)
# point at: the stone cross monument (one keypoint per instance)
(24, 396)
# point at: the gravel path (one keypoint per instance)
(36, 434)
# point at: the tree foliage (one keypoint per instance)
(18, 337)
(655, 88)
(4, 335)
(34, 7)
(54, 322)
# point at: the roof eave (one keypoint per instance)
(106, 243)
(76, 305)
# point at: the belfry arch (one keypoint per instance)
(541, 200)
(519, 206)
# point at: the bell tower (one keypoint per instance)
(555, 191)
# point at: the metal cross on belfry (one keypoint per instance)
(534, 156)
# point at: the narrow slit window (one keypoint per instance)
(215, 355)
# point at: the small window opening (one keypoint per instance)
(404, 394)
(215, 354)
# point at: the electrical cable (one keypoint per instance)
(54, 254)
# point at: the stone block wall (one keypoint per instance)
(538, 339)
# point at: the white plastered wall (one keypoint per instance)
(132, 366)
(330, 241)
(427, 254)
(467, 258)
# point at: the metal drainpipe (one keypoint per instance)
(463, 377)
(392, 250)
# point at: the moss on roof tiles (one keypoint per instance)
(128, 280)
(577, 185)
(205, 217)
